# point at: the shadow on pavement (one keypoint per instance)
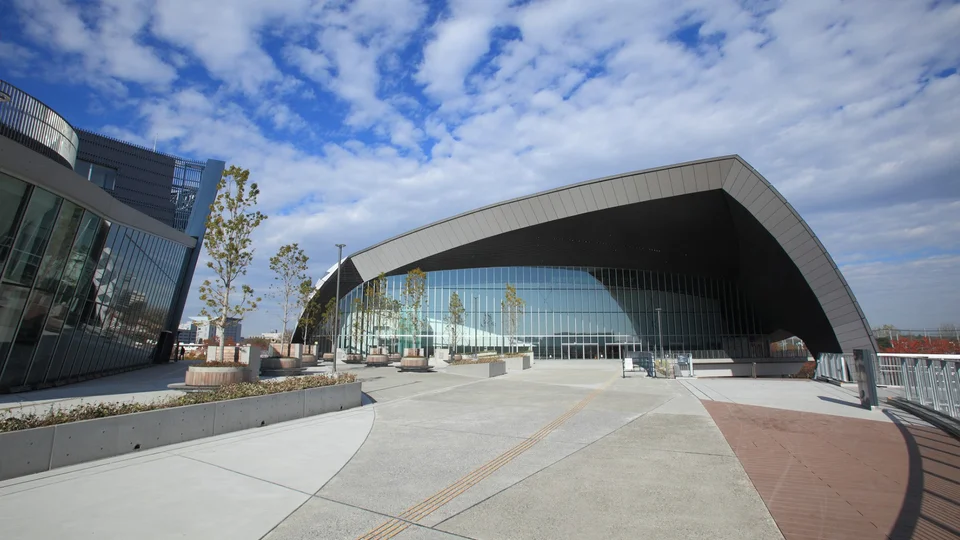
(840, 402)
(931, 506)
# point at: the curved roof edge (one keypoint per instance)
(730, 174)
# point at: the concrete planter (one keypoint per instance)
(517, 363)
(275, 364)
(214, 376)
(328, 357)
(41, 449)
(354, 359)
(482, 371)
(309, 360)
(394, 357)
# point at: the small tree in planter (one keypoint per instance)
(328, 322)
(290, 274)
(309, 317)
(454, 318)
(414, 299)
(512, 308)
(230, 224)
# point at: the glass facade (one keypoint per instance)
(78, 295)
(568, 313)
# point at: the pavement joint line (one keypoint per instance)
(388, 516)
(317, 493)
(264, 480)
(77, 473)
(417, 512)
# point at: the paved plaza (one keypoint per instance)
(568, 449)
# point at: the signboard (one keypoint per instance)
(864, 361)
(628, 364)
(442, 354)
(341, 355)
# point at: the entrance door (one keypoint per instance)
(613, 351)
(591, 351)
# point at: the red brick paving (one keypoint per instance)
(831, 477)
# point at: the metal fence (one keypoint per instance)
(929, 380)
(889, 370)
(834, 367)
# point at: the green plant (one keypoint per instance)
(229, 227)
(415, 301)
(9, 421)
(512, 309)
(454, 318)
(292, 286)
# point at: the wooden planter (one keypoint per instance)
(308, 360)
(377, 360)
(328, 357)
(414, 364)
(214, 376)
(354, 359)
(394, 357)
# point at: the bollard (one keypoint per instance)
(754, 370)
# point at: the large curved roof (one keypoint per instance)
(681, 202)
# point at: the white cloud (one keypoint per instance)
(846, 108)
(108, 45)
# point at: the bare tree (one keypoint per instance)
(289, 266)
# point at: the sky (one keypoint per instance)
(361, 120)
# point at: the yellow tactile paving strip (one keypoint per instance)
(415, 513)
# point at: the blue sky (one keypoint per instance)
(364, 119)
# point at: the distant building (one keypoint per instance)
(187, 333)
(206, 331)
(272, 336)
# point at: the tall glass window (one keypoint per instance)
(568, 313)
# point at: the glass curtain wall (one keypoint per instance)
(78, 295)
(568, 313)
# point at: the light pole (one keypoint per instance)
(660, 332)
(476, 322)
(336, 308)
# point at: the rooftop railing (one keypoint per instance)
(28, 121)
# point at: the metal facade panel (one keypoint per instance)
(663, 178)
(738, 182)
(702, 172)
(795, 230)
(620, 191)
(676, 182)
(428, 237)
(689, 179)
(526, 208)
(520, 213)
(609, 194)
(851, 317)
(715, 172)
(556, 203)
(773, 208)
(758, 188)
(810, 257)
(834, 306)
(458, 232)
(595, 192)
(746, 187)
(653, 184)
(502, 220)
(735, 168)
(757, 205)
(566, 198)
(799, 246)
(486, 227)
(585, 194)
(784, 226)
(826, 284)
(633, 193)
(829, 297)
(546, 203)
(816, 268)
(538, 210)
(643, 187)
(847, 327)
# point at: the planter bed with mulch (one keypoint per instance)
(32, 443)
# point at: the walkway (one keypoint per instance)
(567, 449)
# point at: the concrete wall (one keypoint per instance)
(518, 363)
(766, 367)
(483, 371)
(41, 449)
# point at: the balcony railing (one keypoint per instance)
(29, 122)
(931, 380)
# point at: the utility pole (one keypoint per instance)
(336, 309)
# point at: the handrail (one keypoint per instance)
(26, 120)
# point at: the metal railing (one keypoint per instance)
(28, 121)
(889, 370)
(929, 380)
(834, 367)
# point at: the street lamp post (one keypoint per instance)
(336, 308)
(476, 322)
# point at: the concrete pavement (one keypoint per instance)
(566, 449)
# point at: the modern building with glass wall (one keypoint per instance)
(88, 285)
(703, 258)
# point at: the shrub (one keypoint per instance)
(89, 411)
(219, 364)
(481, 360)
(807, 371)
